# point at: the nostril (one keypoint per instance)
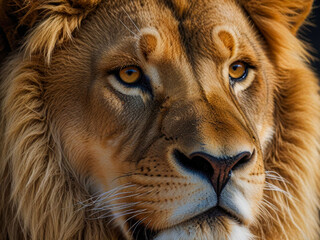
(195, 164)
(241, 159)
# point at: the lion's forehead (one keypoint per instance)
(187, 27)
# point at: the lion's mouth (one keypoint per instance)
(141, 232)
(221, 212)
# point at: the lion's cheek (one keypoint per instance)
(100, 162)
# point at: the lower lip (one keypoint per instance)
(221, 212)
(142, 233)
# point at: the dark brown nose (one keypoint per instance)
(218, 170)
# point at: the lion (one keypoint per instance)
(158, 119)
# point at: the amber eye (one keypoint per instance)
(238, 71)
(130, 74)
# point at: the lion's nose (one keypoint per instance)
(218, 170)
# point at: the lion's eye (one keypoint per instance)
(238, 71)
(131, 77)
(129, 74)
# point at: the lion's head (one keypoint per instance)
(157, 120)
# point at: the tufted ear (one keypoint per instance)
(39, 26)
(289, 13)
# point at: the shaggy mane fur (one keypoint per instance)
(40, 193)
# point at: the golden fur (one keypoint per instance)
(68, 150)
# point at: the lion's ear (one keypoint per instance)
(289, 13)
(278, 21)
(40, 25)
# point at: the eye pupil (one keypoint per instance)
(235, 67)
(129, 74)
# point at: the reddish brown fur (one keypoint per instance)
(69, 130)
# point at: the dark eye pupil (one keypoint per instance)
(130, 72)
(235, 67)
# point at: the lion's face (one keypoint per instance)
(171, 115)
(158, 119)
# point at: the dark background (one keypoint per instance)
(311, 34)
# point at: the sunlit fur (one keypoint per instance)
(82, 155)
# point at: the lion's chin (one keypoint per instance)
(205, 231)
(215, 224)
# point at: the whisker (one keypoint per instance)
(96, 198)
(128, 28)
(272, 175)
(128, 175)
(275, 176)
(111, 197)
(115, 208)
(134, 217)
(131, 19)
(101, 200)
(264, 209)
(119, 214)
(137, 224)
(270, 205)
(145, 229)
(271, 187)
(105, 206)
(118, 198)
(115, 205)
(126, 213)
(274, 209)
(117, 189)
